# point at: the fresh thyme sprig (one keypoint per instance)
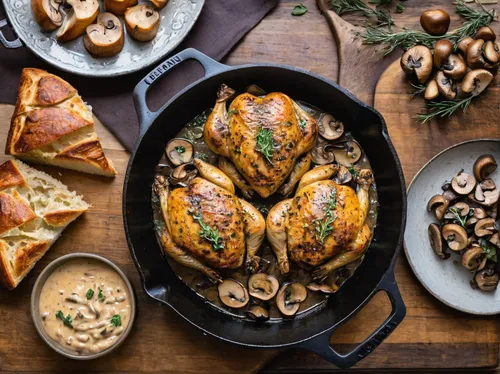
(209, 233)
(456, 212)
(324, 226)
(357, 6)
(444, 108)
(265, 143)
(419, 90)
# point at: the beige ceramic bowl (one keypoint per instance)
(37, 320)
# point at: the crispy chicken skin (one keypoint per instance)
(292, 225)
(233, 134)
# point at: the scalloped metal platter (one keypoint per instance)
(177, 19)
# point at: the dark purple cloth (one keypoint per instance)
(221, 25)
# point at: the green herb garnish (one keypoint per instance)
(444, 108)
(324, 226)
(209, 233)
(456, 212)
(489, 250)
(357, 6)
(100, 295)
(90, 294)
(180, 149)
(231, 112)
(353, 171)
(299, 10)
(68, 321)
(419, 90)
(303, 124)
(288, 295)
(400, 8)
(380, 2)
(116, 320)
(265, 143)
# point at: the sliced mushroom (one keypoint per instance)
(418, 60)
(437, 242)
(471, 221)
(258, 313)
(435, 21)
(183, 174)
(461, 208)
(179, 151)
(485, 33)
(455, 236)
(263, 286)
(159, 4)
(486, 193)
(330, 128)
(476, 81)
(47, 13)
(142, 22)
(484, 227)
(431, 91)
(321, 155)
(81, 14)
(464, 44)
(364, 178)
(488, 184)
(493, 213)
(449, 195)
(484, 166)
(118, 7)
(322, 287)
(479, 213)
(442, 50)
(446, 86)
(233, 294)
(454, 67)
(349, 154)
(289, 298)
(491, 52)
(495, 239)
(463, 183)
(487, 280)
(438, 204)
(104, 38)
(473, 257)
(474, 56)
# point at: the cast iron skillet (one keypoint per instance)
(376, 273)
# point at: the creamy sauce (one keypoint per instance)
(85, 306)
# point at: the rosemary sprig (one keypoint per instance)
(324, 226)
(265, 144)
(419, 90)
(209, 233)
(357, 6)
(444, 108)
(475, 19)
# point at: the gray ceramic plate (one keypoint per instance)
(177, 19)
(447, 280)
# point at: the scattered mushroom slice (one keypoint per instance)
(463, 184)
(487, 279)
(455, 236)
(348, 155)
(464, 44)
(484, 166)
(446, 86)
(488, 184)
(322, 287)
(460, 208)
(343, 175)
(485, 33)
(431, 91)
(472, 257)
(330, 128)
(289, 298)
(476, 81)
(159, 4)
(104, 38)
(263, 286)
(442, 50)
(479, 213)
(233, 294)
(495, 239)
(471, 221)
(449, 195)
(484, 227)
(492, 52)
(81, 14)
(118, 7)
(438, 204)
(47, 13)
(474, 56)
(258, 313)
(436, 241)
(179, 151)
(142, 22)
(418, 60)
(183, 174)
(454, 67)
(321, 155)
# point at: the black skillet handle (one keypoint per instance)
(321, 344)
(16, 43)
(146, 116)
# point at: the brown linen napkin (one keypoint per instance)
(221, 25)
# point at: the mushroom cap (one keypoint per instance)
(439, 205)
(463, 183)
(322, 154)
(484, 227)
(81, 14)
(435, 21)
(486, 33)
(289, 298)
(349, 154)
(179, 151)
(473, 257)
(450, 195)
(454, 67)
(257, 312)
(455, 236)
(476, 81)
(233, 294)
(492, 52)
(47, 13)
(322, 287)
(446, 86)
(432, 90)
(330, 128)
(484, 166)
(183, 174)
(104, 38)
(479, 213)
(464, 44)
(487, 279)
(418, 60)
(263, 286)
(118, 7)
(462, 208)
(474, 56)
(142, 22)
(442, 50)
(436, 241)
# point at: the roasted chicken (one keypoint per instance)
(264, 138)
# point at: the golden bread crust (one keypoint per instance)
(28, 255)
(10, 175)
(91, 152)
(62, 217)
(14, 211)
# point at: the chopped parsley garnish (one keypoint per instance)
(299, 10)
(353, 171)
(265, 144)
(302, 124)
(68, 321)
(231, 112)
(116, 320)
(180, 149)
(209, 233)
(90, 294)
(100, 295)
(489, 250)
(324, 226)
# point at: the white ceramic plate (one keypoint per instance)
(447, 279)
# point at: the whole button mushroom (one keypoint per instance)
(454, 67)
(442, 50)
(491, 53)
(418, 60)
(475, 58)
(464, 44)
(118, 7)
(476, 81)
(47, 13)
(104, 38)
(435, 22)
(142, 22)
(485, 33)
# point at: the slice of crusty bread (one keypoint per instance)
(35, 208)
(52, 125)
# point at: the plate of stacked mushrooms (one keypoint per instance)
(453, 229)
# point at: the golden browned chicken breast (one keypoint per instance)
(323, 225)
(264, 138)
(208, 227)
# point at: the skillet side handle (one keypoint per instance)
(16, 43)
(321, 344)
(145, 115)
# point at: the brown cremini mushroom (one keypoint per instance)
(454, 67)
(474, 58)
(257, 313)
(442, 50)
(460, 208)
(349, 154)
(431, 91)
(183, 174)
(104, 38)
(450, 195)
(479, 213)
(455, 236)
(435, 22)
(233, 294)
(438, 204)
(446, 86)
(118, 7)
(47, 13)
(322, 154)
(491, 53)
(472, 257)
(418, 60)
(484, 166)
(487, 280)
(179, 151)
(463, 183)
(330, 128)
(476, 81)
(343, 175)
(81, 14)
(484, 227)
(486, 193)
(322, 287)
(486, 33)
(495, 239)
(263, 286)
(142, 22)
(437, 242)
(464, 44)
(289, 298)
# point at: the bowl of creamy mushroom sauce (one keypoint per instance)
(83, 306)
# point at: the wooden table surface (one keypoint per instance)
(432, 335)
